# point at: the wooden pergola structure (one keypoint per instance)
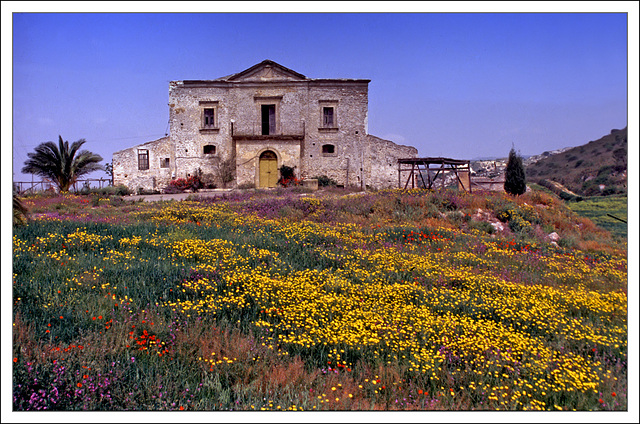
(415, 166)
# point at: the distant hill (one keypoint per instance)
(492, 167)
(596, 168)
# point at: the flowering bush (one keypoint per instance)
(179, 185)
(519, 218)
(287, 177)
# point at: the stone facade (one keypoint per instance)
(258, 120)
(156, 169)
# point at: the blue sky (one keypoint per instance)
(461, 85)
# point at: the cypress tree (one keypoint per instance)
(515, 182)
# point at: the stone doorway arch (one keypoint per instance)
(268, 169)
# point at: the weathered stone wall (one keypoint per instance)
(125, 166)
(348, 136)
(188, 135)
(381, 162)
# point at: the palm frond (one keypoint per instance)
(20, 211)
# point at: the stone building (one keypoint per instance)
(253, 122)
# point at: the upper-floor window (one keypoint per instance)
(143, 160)
(268, 119)
(209, 115)
(327, 117)
(164, 162)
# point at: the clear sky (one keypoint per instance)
(460, 85)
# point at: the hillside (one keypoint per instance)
(289, 299)
(594, 169)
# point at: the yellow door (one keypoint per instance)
(268, 169)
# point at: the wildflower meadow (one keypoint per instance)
(289, 300)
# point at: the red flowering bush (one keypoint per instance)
(180, 185)
(287, 177)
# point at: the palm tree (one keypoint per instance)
(20, 211)
(60, 164)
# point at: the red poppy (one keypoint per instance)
(613, 394)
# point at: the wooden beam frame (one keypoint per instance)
(424, 164)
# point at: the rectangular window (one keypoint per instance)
(143, 160)
(327, 117)
(164, 162)
(268, 119)
(209, 118)
(328, 149)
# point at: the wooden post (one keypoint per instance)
(424, 185)
(413, 183)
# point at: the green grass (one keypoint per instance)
(599, 209)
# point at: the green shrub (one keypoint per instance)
(483, 226)
(324, 181)
(119, 190)
(518, 224)
(568, 242)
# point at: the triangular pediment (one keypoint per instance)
(267, 70)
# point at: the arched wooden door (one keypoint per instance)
(268, 168)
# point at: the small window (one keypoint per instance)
(328, 149)
(209, 118)
(327, 117)
(164, 162)
(143, 160)
(209, 149)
